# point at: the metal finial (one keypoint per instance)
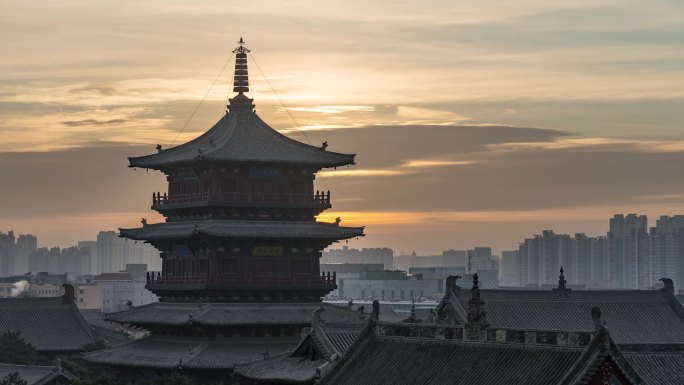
(241, 80)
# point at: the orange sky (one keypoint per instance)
(476, 123)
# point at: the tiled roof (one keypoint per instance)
(402, 360)
(329, 342)
(243, 229)
(35, 375)
(242, 137)
(219, 355)
(109, 336)
(659, 368)
(281, 369)
(633, 316)
(225, 314)
(47, 323)
(196, 353)
(380, 358)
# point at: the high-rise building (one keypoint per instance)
(667, 249)
(108, 252)
(628, 248)
(510, 268)
(90, 248)
(27, 244)
(7, 246)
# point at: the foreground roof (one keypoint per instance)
(49, 324)
(633, 316)
(192, 353)
(412, 357)
(241, 136)
(229, 314)
(324, 343)
(658, 367)
(243, 229)
(36, 375)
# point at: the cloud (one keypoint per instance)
(91, 122)
(595, 144)
(426, 163)
(359, 173)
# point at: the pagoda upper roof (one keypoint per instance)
(241, 136)
(242, 229)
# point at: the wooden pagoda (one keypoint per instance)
(241, 212)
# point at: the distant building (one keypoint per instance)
(90, 248)
(510, 268)
(114, 253)
(382, 255)
(7, 243)
(628, 250)
(27, 244)
(121, 290)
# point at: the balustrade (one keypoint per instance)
(319, 198)
(240, 281)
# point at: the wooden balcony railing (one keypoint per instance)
(241, 281)
(320, 198)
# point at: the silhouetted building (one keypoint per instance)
(240, 247)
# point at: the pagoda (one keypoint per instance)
(241, 211)
(240, 246)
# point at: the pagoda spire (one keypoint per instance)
(241, 80)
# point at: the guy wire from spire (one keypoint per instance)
(203, 98)
(280, 100)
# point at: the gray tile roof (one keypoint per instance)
(378, 358)
(36, 375)
(219, 355)
(633, 316)
(242, 137)
(226, 314)
(402, 360)
(659, 368)
(194, 353)
(243, 229)
(48, 323)
(281, 369)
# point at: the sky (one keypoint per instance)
(474, 123)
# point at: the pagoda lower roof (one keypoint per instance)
(242, 137)
(242, 229)
(191, 353)
(230, 314)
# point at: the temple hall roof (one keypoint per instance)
(324, 343)
(49, 324)
(227, 314)
(241, 136)
(243, 229)
(428, 359)
(633, 316)
(36, 375)
(192, 353)
(657, 367)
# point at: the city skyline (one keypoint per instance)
(521, 120)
